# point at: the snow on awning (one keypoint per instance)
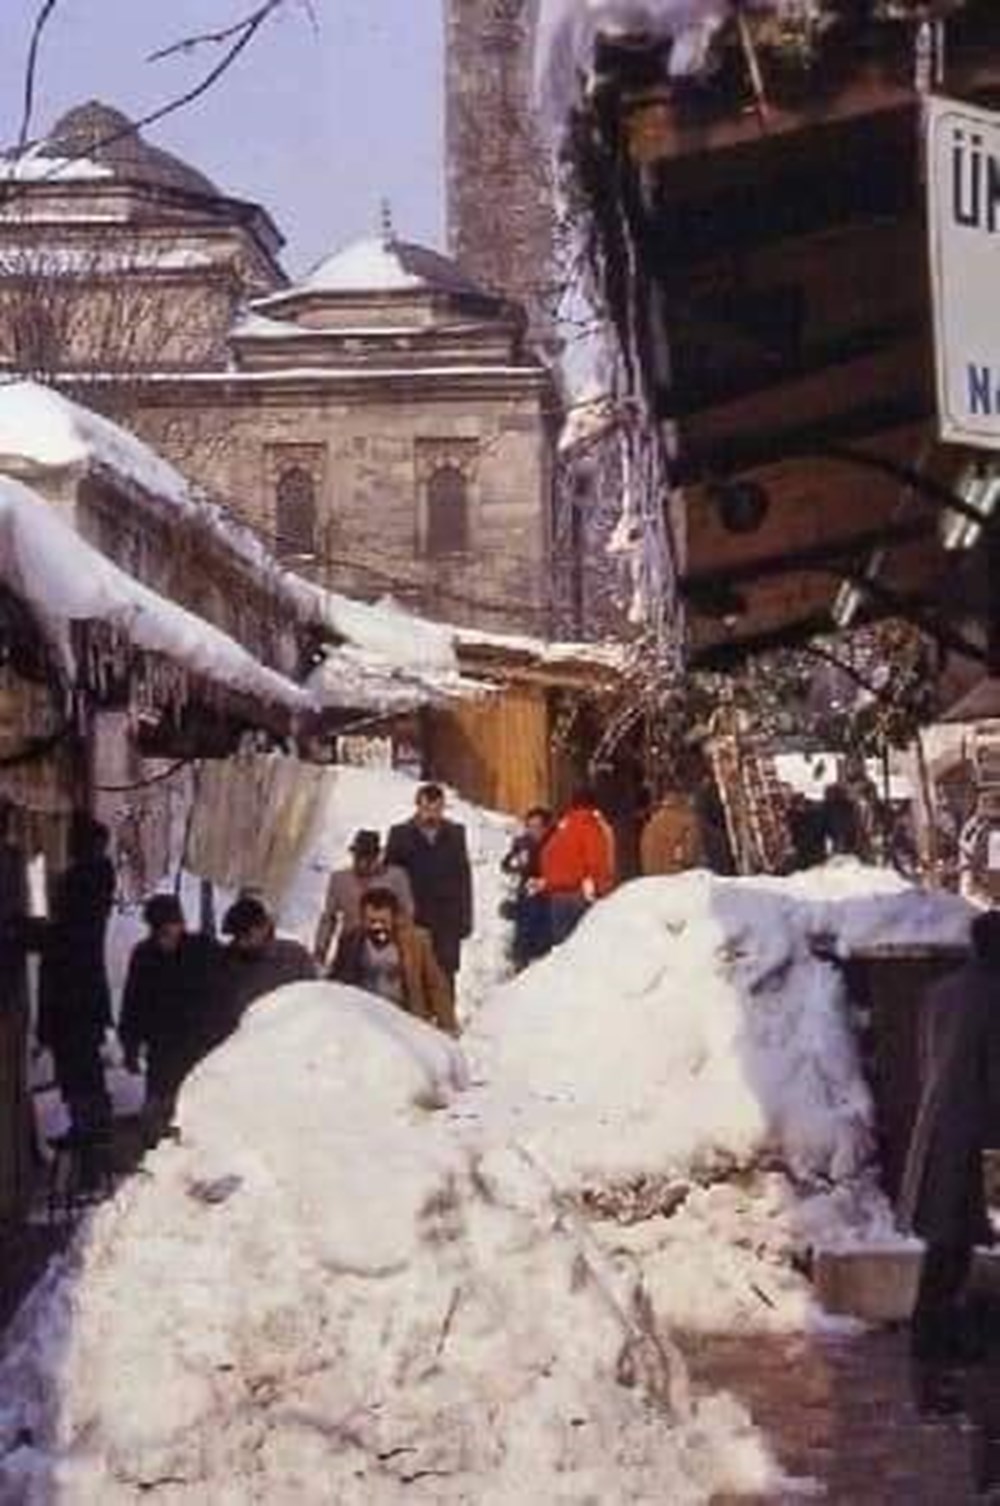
(41, 427)
(386, 656)
(64, 580)
(568, 31)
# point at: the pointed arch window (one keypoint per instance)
(295, 512)
(447, 512)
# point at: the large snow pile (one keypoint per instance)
(688, 1027)
(326, 1293)
(683, 1069)
(374, 1283)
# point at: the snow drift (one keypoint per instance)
(327, 1292)
(688, 1025)
(358, 1278)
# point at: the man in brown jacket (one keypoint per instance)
(389, 956)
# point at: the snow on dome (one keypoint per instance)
(34, 166)
(380, 265)
(94, 140)
(65, 580)
(324, 1292)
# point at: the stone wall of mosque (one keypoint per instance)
(440, 502)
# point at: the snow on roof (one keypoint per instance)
(378, 265)
(41, 426)
(70, 261)
(49, 430)
(263, 327)
(390, 658)
(527, 372)
(65, 580)
(568, 30)
(34, 166)
(611, 656)
(387, 656)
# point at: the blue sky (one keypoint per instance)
(319, 120)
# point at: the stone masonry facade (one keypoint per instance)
(499, 191)
(384, 422)
(372, 460)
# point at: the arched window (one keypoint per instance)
(447, 512)
(295, 512)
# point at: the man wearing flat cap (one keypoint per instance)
(347, 888)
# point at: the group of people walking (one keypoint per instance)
(392, 924)
(560, 868)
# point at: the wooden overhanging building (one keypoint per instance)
(762, 248)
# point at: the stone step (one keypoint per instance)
(878, 1284)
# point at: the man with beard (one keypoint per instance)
(389, 956)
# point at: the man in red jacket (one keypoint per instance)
(577, 863)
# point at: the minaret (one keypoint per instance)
(499, 197)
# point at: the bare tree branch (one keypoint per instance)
(240, 36)
(216, 38)
(31, 70)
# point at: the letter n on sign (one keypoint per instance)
(963, 224)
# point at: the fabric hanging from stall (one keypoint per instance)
(251, 822)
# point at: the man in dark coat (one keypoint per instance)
(255, 963)
(165, 1007)
(942, 1197)
(433, 852)
(15, 1103)
(389, 956)
(74, 994)
(530, 905)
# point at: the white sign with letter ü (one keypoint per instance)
(963, 219)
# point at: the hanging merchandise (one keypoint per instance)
(251, 821)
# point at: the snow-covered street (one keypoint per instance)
(378, 1266)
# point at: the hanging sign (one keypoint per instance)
(963, 182)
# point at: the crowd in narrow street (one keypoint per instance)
(392, 924)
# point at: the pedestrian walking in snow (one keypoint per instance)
(348, 886)
(942, 1197)
(389, 956)
(166, 1007)
(255, 962)
(577, 863)
(434, 853)
(16, 1126)
(74, 994)
(529, 907)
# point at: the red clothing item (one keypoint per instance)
(578, 849)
